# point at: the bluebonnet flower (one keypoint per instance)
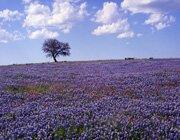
(96, 100)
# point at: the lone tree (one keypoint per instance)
(55, 48)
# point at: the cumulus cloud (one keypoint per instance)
(156, 9)
(111, 21)
(6, 36)
(150, 6)
(128, 34)
(154, 18)
(108, 14)
(8, 15)
(167, 23)
(43, 33)
(115, 27)
(63, 15)
(160, 21)
(37, 15)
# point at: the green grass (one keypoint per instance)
(28, 89)
(60, 133)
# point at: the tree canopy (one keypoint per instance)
(54, 48)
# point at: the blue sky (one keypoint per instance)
(95, 29)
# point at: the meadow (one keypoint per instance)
(101, 100)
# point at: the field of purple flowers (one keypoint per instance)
(105, 100)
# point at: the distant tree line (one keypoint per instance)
(132, 58)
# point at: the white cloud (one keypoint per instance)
(26, 1)
(128, 34)
(44, 33)
(66, 12)
(108, 14)
(37, 15)
(154, 18)
(165, 23)
(116, 27)
(8, 15)
(138, 6)
(111, 22)
(6, 36)
(150, 6)
(63, 15)
(161, 26)
(160, 21)
(36, 8)
(82, 10)
(157, 9)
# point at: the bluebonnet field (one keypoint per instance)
(137, 99)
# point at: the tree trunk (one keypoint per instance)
(55, 59)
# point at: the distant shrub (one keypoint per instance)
(129, 58)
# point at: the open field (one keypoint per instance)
(138, 99)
